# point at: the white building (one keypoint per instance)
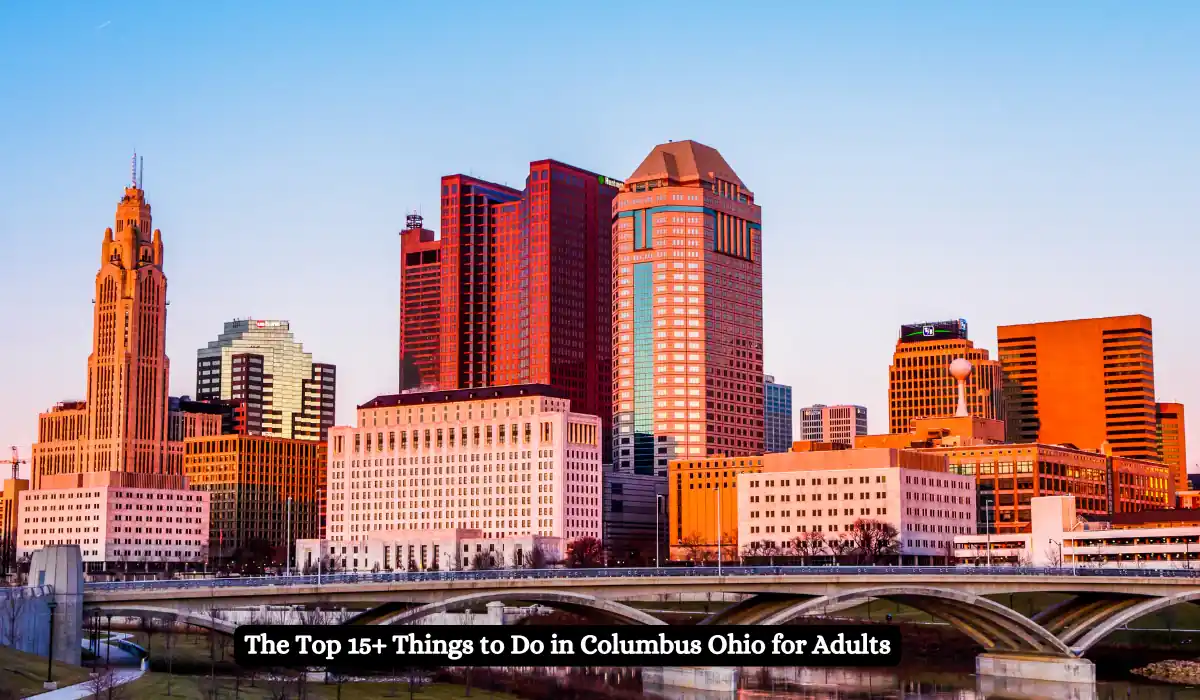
(428, 550)
(118, 528)
(507, 462)
(1058, 537)
(826, 492)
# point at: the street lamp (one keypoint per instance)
(287, 538)
(658, 497)
(1060, 551)
(50, 652)
(987, 529)
(718, 526)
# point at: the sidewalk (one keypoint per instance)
(116, 654)
(81, 690)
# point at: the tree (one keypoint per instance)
(13, 611)
(693, 547)
(104, 686)
(585, 553)
(535, 558)
(148, 626)
(483, 561)
(728, 546)
(839, 547)
(254, 556)
(873, 540)
(1054, 556)
(810, 544)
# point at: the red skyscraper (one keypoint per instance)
(526, 284)
(420, 306)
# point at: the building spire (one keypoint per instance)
(141, 173)
(133, 170)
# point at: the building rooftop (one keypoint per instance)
(682, 161)
(479, 394)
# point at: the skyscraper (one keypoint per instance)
(687, 311)
(777, 415)
(1172, 443)
(1084, 383)
(128, 368)
(838, 424)
(260, 363)
(113, 450)
(526, 284)
(420, 306)
(920, 385)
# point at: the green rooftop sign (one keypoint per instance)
(609, 181)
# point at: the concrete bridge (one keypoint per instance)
(1099, 602)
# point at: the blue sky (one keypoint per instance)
(1001, 162)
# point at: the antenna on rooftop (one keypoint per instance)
(141, 173)
(133, 169)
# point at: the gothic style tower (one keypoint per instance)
(128, 367)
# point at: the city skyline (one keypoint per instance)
(343, 299)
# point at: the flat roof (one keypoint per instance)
(455, 395)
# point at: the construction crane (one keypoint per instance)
(8, 550)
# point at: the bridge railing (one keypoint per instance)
(625, 572)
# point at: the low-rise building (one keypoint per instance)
(826, 493)
(9, 522)
(1060, 536)
(635, 519)
(122, 522)
(429, 550)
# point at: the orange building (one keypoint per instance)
(1172, 445)
(420, 305)
(951, 431)
(920, 385)
(695, 486)
(10, 499)
(1083, 383)
(1187, 500)
(1009, 476)
(59, 446)
(250, 479)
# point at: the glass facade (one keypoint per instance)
(643, 369)
(778, 416)
(260, 363)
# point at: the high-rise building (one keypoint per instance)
(127, 371)
(260, 363)
(534, 466)
(635, 519)
(777, 415)
(112, 451)
(420, 305)
(686, 312)
(920, 384)
(1172, 443)
(526, 284)
(836, 424)
(263, 489)
(1083, 383)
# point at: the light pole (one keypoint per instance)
(987, 529)
(718, 526)
(657, 530)
(1060, 552)
(288, 536)
(50, 652)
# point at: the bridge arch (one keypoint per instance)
(1128, 614)
(566, 601)
(994, 626)
(168, 614)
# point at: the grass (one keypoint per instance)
(25, 673)
(154, 685)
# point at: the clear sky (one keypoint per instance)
(1001, 162)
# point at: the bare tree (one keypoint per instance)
(169, 639)
(483, 561)
(104, 686)
(693, 547)
(535, 558)
(872, 540)
(13, 614)
(839, 547)
(1054, 555)
(149, 626)
(810, 544)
